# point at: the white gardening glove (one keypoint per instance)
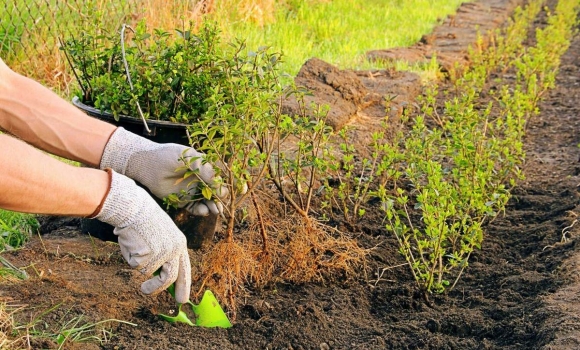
(148, 238)
(154, 165)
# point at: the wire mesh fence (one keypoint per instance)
(29, 25)
(30, 28)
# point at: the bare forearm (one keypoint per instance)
(38, 116)
(34, 182)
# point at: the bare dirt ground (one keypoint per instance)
(522, 290)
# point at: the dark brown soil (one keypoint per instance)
(521, 291)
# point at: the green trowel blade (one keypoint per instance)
(209, 312)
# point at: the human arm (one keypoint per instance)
(34, 182)
(38, 116)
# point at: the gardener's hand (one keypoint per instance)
(148, 238)
(154, 165)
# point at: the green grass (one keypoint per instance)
(63, 329)
(340, 32)
(15, 229)
(13, 23)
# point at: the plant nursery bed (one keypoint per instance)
(520, 291)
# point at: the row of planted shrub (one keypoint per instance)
(456, 168)
(439, 182)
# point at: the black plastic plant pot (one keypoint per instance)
(160, 131)
(198, 230)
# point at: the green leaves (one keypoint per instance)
(458, 174)
(242, 119)
(172, 74)
(206, 192)
(15, 229)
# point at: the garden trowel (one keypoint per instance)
(208, 313)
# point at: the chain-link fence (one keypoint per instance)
(31, 30)
(27, 26)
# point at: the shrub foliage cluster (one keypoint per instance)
(445, 174)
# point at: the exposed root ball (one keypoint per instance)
(297, 250)
(225, 270)
(315, 252)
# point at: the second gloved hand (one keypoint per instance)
(154, 165)
(148, 238)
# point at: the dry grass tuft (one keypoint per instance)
(46, 64)
(174, 14)
(260, 12)
(7, 340)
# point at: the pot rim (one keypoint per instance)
(94, 112)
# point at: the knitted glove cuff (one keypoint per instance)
(98, 210)
(124, 202)
(121, 145)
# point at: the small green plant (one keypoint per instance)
(302, 155)
(170, 76)
(351, 176)
(239, 128)
(16, 229)
(246, 134)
